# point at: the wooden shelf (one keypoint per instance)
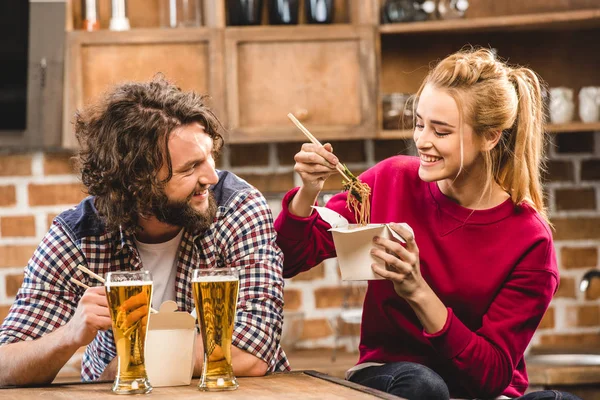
(573, 127)
(578, 20)
(550, 128)
(395, 134)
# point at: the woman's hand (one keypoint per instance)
(315, 164)
(402, 263)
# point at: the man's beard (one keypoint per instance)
(181, 213)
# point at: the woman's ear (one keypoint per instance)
(490, 140)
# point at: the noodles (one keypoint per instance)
(358, 199)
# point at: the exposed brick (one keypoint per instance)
(287, 151)
(576, 228)
(566, 288)
(560, 171)
(575, 199)
(583, 315)
(17, 226)
(578, 142)
(8, 196)
(245, 155)
(50, 219)
(47, 195)
(578, 257)
(571, 340)
(292, 299)
(272, 183)
(316, 329)
(548, 320)
(346, 329)
(13, 283)
(3, 312)
(312, 274)
(593, 290)
(590, 170)
(59, 164)
(388, 148)
(15, 165)
(15, 255)
(333, 297)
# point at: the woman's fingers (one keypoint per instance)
(405, 254)
(313, 154)
(392, 262)
(408, 235)
(387, 274)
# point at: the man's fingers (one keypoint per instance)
(140, 299)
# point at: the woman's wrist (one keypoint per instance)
(301, 204)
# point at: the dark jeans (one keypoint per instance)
(415, 381)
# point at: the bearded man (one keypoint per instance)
(147, 158)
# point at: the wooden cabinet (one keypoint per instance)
(331, 77)
(551, 37)
(191, 58)
(325, 76)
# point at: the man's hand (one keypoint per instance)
(91, 316)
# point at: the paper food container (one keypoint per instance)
(353, 244)
(170, 346)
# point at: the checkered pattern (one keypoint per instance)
(242, 236)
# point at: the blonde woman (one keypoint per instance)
(462, 299)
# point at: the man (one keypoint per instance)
(147, 157)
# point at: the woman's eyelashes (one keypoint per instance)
(420, 127)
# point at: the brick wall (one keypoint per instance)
(36, 187)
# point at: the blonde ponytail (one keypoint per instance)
(520, 175)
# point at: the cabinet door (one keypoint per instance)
(191, 58)
(325, 76)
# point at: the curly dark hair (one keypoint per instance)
(123, 140)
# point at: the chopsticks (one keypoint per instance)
(315, 141)
(94, 275)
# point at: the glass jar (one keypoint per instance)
(319, 11)
(452, 9)
(244, 12)
(180, 13)
(398, 111)
(283, 12)
(91, 22)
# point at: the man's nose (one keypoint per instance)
(208, 176)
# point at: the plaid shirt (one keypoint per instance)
(242, 236)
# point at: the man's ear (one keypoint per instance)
(490, 140)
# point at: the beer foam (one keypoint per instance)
(129, 283)
(216, 278)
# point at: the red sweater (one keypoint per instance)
(494, 269)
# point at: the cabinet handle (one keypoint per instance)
(43, 72)
(301, 114)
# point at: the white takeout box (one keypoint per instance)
(170, 346)
(353, 244)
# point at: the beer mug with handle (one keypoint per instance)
(129, 296)
(215, 294)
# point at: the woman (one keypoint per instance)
(462, 299)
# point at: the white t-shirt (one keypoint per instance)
(161, 260)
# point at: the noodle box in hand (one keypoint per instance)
(353, 244)
(170, 346)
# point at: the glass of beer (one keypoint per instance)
(129, 296)
(215, 294)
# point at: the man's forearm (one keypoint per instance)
(35, 361)
(244, 363)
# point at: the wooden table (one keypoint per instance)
(289, 385)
